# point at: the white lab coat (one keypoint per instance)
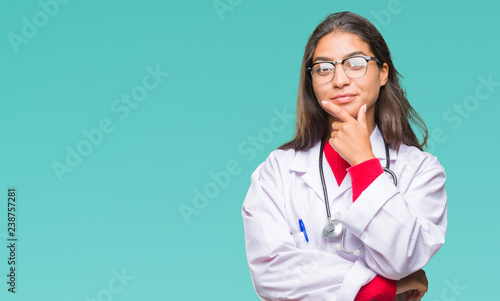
(398, 229)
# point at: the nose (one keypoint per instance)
(340, 79)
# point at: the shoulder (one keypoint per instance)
(276, 164)
(421, 161)
(267, 180)
(413, 154)
(274, 177)
(282, 163)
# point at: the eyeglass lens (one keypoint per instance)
(354, 68)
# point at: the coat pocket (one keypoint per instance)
(301, 242)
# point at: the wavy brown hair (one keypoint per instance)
(393, 113)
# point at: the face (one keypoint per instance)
(349, 94)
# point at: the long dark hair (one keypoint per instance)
(393, 113)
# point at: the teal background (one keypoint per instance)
(119, 208)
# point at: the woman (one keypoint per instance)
(377, 233)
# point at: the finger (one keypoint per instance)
(362, 116)
(409, 297)
(418, 294)
(337, 125)
(336, 111)
(334, 134)
(425, 279)
(412, 295)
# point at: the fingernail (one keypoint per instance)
(324, 102)
(364, 108)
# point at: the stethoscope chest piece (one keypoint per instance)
(332, 229)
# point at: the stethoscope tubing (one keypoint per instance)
(325, 192)
(388, 165)
(327, 203)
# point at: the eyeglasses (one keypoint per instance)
(354, 67)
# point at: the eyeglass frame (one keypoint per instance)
(366, 57)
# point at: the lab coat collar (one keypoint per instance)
(378, 146)
(303, 161)
(306, 163)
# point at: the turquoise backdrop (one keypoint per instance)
(129, 130)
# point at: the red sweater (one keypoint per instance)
(362, 175)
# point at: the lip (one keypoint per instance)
(343, 98)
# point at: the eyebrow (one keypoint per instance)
(322, 58)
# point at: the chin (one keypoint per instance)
(353, 110)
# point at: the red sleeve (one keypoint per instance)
(363, 174)
(380, 289)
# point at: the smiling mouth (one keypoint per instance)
(343, 98)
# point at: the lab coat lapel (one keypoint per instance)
(378, 148)
(306, 165)
(345, 185)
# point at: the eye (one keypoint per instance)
(356, 63)
(323, 68)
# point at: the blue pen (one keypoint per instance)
(303, 229)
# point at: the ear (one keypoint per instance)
(384, 74)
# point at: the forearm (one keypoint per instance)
(400, 235)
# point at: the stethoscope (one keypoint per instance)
(334, 227)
